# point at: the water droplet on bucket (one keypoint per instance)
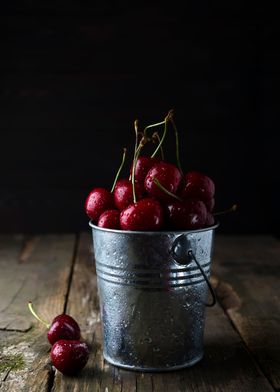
(148, 340)
(132, 309)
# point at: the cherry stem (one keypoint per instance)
(136, 129)
(30, 306)
(161, 187)
(142, 142)
(135, 158)
(152, 126)
(231, 209)
(165, 122)
(120, 168)
(137, 134)
(157, 138)
(177, 144)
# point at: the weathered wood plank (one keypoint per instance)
(10, 283)
(37, 269)
(227, 366)
(251, 297)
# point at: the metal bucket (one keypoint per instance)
(153, 289)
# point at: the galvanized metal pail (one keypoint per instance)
(153, 289)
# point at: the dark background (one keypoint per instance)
(75, 75)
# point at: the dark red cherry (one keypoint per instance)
(69, 356)
(169, 177)
(198, 186)
(210, 220)
(98, 201)
(210, 204)
(123, 193)
(109, 219)
(63, 327)
(187, 215)
(146, 214)
(143, 165)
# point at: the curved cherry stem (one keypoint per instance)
(167, 118)
(141, 144)
(137, 134)
(136, 129)
(161, 141)
(135, 159)
(161, 187)
(156, 137)
(30, 306)
(177, 144)
(152, 126)
(120, 168)
(231, 209)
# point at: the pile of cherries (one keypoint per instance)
(156, 196)
(69, 354)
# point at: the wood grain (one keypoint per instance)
(250, 265)
(38, 269)
(227, 365)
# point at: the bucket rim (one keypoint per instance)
(158, 232)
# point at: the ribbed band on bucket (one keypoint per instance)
(143, 278)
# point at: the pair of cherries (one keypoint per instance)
(69, 354)
(166, 199)
(194, 210)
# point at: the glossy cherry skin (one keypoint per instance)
(123, 193)
(63, 327)
(187, 215)
(169, 177)
(145, 215)
(98, 201)
(210, 220)
(198, 186)
(69, 356)
(109, 219)
(143, 165)
(210, 204)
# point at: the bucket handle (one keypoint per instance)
(214, 299)
(180, 245)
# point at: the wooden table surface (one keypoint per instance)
(242, 333)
